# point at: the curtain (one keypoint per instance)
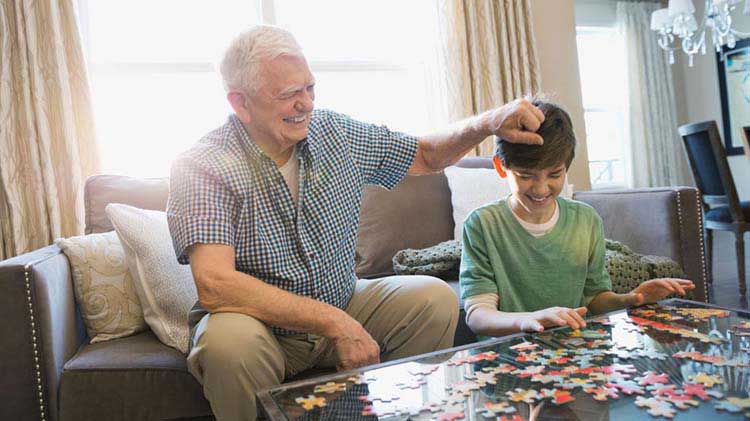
(47, 140)
(655, 156)
(487, 57)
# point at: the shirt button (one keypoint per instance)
(311, 255)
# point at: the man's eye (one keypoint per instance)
(555, 175)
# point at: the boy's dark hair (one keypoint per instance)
(559, 142)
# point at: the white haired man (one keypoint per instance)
(266, 208)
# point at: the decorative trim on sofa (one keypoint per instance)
(36, 345)
(700, 239)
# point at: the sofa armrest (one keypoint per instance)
(662, 221)
(40, 332)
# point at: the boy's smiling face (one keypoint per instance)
(535, 191)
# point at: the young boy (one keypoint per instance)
(534, 259)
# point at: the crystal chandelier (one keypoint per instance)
(678, 21)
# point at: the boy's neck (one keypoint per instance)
(540, 217)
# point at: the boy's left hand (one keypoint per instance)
(655, 289)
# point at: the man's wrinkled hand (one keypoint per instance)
(516, 122)
(354, 346)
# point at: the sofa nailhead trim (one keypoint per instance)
(703, 246)
(27, 280)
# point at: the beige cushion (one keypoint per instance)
(103, 287)
(165, 288)
(415, 214)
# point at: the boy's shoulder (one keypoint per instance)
(488, 210)
(579, 208)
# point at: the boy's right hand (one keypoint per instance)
(553, 317)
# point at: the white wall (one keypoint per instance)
(697, 91)
(555, 30)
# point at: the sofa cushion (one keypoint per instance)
(101, 190)
(138, 376)
(417, 213)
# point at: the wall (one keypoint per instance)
(697, 91)
(555, 30)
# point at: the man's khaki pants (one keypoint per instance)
(234, 356)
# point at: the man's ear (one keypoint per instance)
(498, 164)
(238, 101)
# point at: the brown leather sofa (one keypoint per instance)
(49, 371)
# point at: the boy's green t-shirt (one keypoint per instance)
(565, 267)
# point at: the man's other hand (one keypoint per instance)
(515, 122)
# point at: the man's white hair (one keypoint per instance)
(240, 67)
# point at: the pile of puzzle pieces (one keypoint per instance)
(581, 363)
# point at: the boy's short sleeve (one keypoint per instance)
(597, 278)
(383, 156)
(199, 209)
(476, 275)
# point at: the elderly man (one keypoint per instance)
(266, 208)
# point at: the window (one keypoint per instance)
(155, 91)
(601, 58)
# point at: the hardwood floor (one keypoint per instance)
(725, 290)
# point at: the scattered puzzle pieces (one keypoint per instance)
(650, 378)
(602, 393)
(330, 387)
(656, 407)
(697, 356)
(311, 401)
(557, 396)
(708, 380)
(733, 404)
(492, 409)
(524, 346)
(523, 395)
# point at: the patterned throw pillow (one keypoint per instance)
(165, 287)
(103, 286)
(628, 270)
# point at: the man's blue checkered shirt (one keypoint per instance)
(225, 190)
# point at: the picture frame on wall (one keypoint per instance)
(734, 88)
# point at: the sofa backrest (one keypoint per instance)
(415, 214)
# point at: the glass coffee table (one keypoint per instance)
(675, 360)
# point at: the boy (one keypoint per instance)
(536, 260)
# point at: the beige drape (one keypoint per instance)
(47, 144)
(489, 56)
(654, 152)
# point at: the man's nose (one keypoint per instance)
(306, 103)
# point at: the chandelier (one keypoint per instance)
(677, 21)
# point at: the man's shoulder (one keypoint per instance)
(218, 148)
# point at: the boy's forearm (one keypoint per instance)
(489, 322)
(606, 301)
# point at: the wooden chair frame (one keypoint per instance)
(739, 226)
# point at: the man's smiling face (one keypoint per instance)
(280, 109)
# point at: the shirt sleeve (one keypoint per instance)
(383, 156)
(597, 278)
(200, 208)
(476, 275)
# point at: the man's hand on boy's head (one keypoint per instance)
(515, 122)
(553, 317)
(656, 289)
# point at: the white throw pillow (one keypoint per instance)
(475, 187)
(165, 287)
(103, 286)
